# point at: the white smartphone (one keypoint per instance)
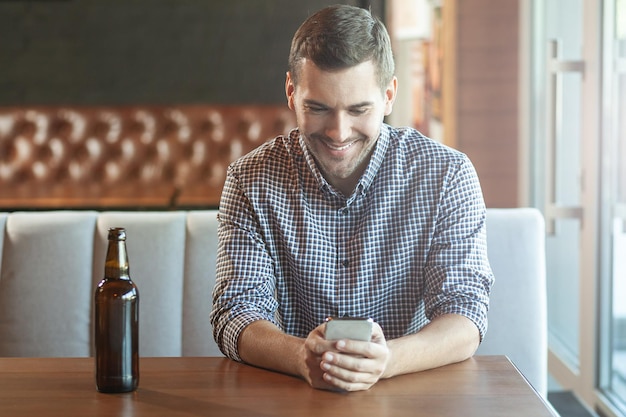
(354, 328)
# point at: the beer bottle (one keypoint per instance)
(117, 321)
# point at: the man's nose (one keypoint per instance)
(339, 127)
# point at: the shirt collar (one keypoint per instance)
(366, 180)
(376, 160)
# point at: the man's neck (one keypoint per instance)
(347, 185)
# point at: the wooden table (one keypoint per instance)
(481, 386)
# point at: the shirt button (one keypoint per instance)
(345, 263)
(344, 211)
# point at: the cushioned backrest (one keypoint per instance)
(517, 314)
(156, 251)
(45, 284)
(200, 256)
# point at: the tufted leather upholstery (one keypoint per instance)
(102, 157)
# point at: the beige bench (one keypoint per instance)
(51, 262)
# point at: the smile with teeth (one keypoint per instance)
(339, 148)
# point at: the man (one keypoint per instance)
(347, 216)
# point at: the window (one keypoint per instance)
(577, 110)
(557, 113)
(613, 242)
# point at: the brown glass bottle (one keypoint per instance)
(117, 321)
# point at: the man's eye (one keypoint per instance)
(358, 111)
(314, 109)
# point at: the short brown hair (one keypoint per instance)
(343, 36)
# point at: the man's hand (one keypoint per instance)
(347, 365)
(314, 347)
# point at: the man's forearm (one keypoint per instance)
(264, 345)
(446, 339)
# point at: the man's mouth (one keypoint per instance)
(339, 148)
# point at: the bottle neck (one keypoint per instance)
(116, 263)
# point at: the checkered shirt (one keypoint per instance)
(408, 245)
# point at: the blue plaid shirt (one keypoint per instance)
(408, 245)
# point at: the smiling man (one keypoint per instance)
(348, 216)
(340, 115)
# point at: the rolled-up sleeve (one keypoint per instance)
(245, 283)
(458, 275)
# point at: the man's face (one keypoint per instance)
(339, 114)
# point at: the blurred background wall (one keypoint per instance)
(85, 52)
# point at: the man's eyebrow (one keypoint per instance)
(311, 102)
(314, 103)
(362, 104)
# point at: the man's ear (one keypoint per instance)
(390, 95)
(290, 89)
